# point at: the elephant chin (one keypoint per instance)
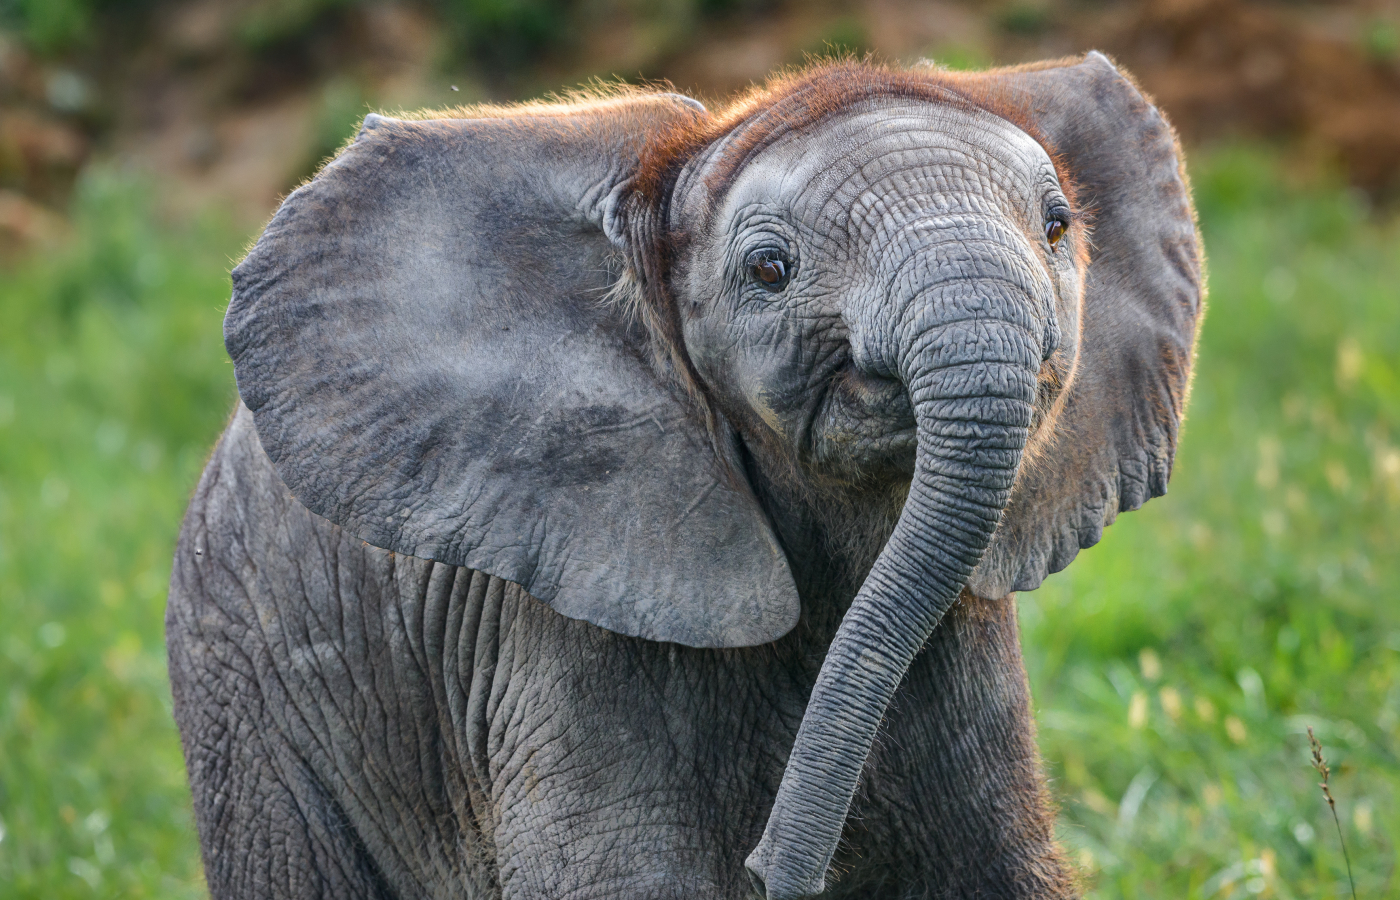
(968, 452)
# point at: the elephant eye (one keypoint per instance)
(768, 269)
(1055, 229)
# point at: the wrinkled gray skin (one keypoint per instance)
(719, 593)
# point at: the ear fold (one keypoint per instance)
(1116, 436)
(423, 336)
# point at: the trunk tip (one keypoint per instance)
(755, 879)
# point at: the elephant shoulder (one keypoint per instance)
(250, 547)
(238, 501)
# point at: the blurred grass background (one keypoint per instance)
(1175, 667)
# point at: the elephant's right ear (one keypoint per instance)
(423, 336)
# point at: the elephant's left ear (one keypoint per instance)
(1115, 438)
(424, 338)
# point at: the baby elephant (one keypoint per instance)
(625, 499)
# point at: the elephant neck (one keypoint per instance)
(832, 534)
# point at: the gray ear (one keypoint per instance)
(424, 337)
(1115, 439)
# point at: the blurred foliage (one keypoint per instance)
(1381, 39)
(113, 380)
(1175, 667)
(493, 34)
(844, 36)
(1024, 17)
(505, 33)
(49, 25)
(343, 105)
(268, 24)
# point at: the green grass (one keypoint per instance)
(1175, 667)
(113, 382)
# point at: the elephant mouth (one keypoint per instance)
(865, 427)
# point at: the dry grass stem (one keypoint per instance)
(1320, 763)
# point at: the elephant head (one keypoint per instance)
(620, 349)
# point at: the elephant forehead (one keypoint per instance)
(892, 159)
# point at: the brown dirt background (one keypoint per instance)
(175, 89)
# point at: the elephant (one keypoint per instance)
(627, 499)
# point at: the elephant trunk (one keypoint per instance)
(972, 380)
